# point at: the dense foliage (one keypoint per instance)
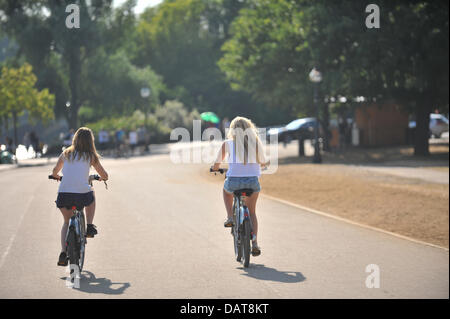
(233, 57)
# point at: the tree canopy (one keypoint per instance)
(274, 44)
(19, 94)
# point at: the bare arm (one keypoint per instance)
(220, 157)
(100, 170)
(262, 160)
(59, 165)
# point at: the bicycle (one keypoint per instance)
(242, 230)
(76, 233)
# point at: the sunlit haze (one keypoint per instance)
(141, 4)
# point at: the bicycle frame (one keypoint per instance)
(74, 221)
(241, 211)
(77, 224)
(242, 229)
(240, 216)
(77, 227)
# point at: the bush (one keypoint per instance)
(160, 123)
(173, 114)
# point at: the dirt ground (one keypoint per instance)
(406, 206)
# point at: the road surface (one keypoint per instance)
(161, 235)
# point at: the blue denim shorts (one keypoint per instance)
(234, 183)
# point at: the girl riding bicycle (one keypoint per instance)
(245, 158)
(74, 190)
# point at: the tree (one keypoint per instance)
(274, 44)
(18, 94)
(181, 40)
(40, 30)
(113, 85)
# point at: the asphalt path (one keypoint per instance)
(161, 235)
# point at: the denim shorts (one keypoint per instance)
(234, 183)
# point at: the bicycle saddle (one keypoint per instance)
(244, 192)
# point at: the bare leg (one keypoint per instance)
(228, 200)
(67, 213)
(250, 202)
(90, 212)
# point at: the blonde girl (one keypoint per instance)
(245, 156)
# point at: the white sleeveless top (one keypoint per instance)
(237, 168)
(75, 176)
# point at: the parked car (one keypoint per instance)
(438, 124)
(274, 131)
(6, 157)
(303, 127)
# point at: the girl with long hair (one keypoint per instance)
(74, 190)
(245, 156)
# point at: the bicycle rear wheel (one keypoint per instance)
(82, 240)
(237, 243)
(235, 232)
(72, 247)
(245, 241)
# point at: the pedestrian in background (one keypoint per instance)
(133, 138)
(103, 139)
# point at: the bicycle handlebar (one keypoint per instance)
(220, 170)
(224, 170)
(91, 177)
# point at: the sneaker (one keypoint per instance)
(91, 231)
(62, 260)
(228, 222)
(256, 251)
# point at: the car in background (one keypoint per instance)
(6, 157)
(303, 127)
(274, 131)
(438, 125)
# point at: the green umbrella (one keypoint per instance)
(210, 117)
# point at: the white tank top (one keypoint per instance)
(237, 168)
(75, 176)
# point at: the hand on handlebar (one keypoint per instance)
(55, 177)
(97, 178)
(214, 170)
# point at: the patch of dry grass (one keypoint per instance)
(405, 206)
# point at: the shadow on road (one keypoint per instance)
(91, 284)
(262, 272)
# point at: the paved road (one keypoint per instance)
(161, 236)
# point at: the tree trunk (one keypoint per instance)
(75, 71)
(422, 131)
(301, 146)
(6, 123)
(15, 131)
(326, 127)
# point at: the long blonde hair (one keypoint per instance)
(245, 135)
(83, 146)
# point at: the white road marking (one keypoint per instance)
(345, 220)
(13, 237)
